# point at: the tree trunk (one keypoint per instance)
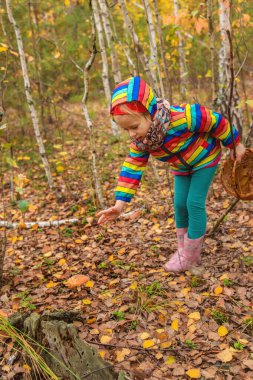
(66, 354)
(225, 70)
(154, 65)
(96, 181)
(110, 41)
(138, 48)
(182, 62)
(212, 47)
(132, 67)
(105, 69)
(167, 79)
(28, 94)
(33, 19)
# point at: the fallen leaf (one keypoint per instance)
(170, 360)
(89, 284)
(218, 290)
(144, 336)
(105, 339)
(148, 343)
(174, 325)
(225, 355)
(222, 331)
(194, 373)
(51, 284)
(87, 302)
(120, 354)
(195, 316)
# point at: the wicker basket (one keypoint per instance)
(237, 178)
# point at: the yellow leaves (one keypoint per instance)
(225, 355)
(23, 158)
(166, 344)
(148, 344)
(121, 251)
(134, 285)
(222, 331)
(218, 290)
(194, 373)
(144, 336)
(120, 354)
(170, 360)
(61, 262)
(94, 332)
(89, 284)
(105, 339)
(174, 325)
(86, 302)
(51, 284)
(226, 203)
(59, 168)
(3, 48)
(195, 316)
(170, 221)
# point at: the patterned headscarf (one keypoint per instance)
(134, 89)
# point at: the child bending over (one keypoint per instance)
(188, 137)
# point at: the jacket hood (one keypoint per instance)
(134, 89)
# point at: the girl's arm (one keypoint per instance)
(203, 120)
(131, 174)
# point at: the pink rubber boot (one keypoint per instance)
(188, 257)
(180, 243)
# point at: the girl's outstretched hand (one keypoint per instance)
(110, 214)
(240, 150)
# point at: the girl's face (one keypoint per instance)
(136, 126)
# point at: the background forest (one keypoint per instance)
(60, 155)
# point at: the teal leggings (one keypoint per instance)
(189, 200)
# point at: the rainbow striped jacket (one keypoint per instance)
(196, 132)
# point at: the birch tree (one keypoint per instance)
(85, 71)
(212, 46)
(182, 62)
(154, 64)
(226, 68)
(126, 50)
(105, 68)
(110, 40)
(28, 94)
(167, 79)
(140, 52)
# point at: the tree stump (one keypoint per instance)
(67, 354)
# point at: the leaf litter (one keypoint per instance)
(188, 325)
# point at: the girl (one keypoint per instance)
(186, 136)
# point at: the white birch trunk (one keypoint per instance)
(182, 63)
(225, 64)
(86, 69)
(153, 46)
(105, 69)
(132, 68)
(139, 50)
(110, 41)
(212, 46)
(28, 94)
(167, 78)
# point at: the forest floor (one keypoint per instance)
(153, 324)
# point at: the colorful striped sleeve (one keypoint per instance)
(203, 120)
(131, 173)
